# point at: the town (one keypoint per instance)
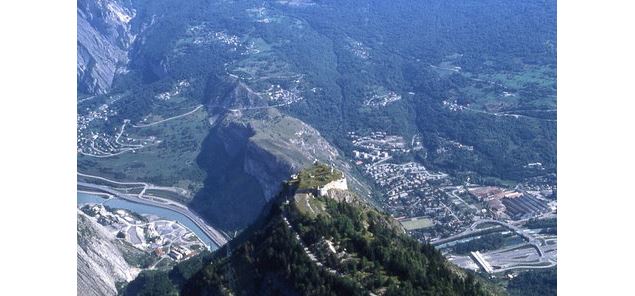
(435, 207)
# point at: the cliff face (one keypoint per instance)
(103, 38)
(100, 260)
(278, 146)
(267, 169)
(281, 146)
(248, 156)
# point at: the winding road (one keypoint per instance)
(168, 119)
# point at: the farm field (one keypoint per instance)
(417, 223)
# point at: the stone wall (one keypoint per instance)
(337, 184)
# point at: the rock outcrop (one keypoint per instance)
(103, 39)
(280, 145)
(247, 156)
(100, 260)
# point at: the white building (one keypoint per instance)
(337, 184)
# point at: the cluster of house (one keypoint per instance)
(382, 100)
(278, 94)
(177, 253)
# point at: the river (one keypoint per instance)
(116, 203)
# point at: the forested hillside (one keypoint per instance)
(317, 245)
(481, 73)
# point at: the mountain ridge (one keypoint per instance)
(104, 36)
(333, 244)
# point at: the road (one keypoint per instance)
(106, 155)
(508, 114)
(308, 252)
(528, 255)
(450, 210)
(453, 193)
(168, 119)
(131, 147)
(216, 236)
(464, 234)
(472, 231)
(85, 99)
(145, 185)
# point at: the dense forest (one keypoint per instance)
(534, 283)
(487, 242)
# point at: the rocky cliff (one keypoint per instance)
(103, 39)
(100, 260)
(290, 144)
(278, 146)
(247, 156)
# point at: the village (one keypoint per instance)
(93, 141)
(358, 49)
(176, 90)
(382, 99)
(431, 204)
(434, 207)
(279, 95)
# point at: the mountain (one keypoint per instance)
(461, 82)
(215, 103)
(319, 238)
(232, 94)
(102, 261)
(247, 156)
(484, 80)
(103, 39)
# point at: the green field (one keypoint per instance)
(170, 163)
(308, 205)
(317, 176)
(417, 223)
(531, 87)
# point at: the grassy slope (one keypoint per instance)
(171, 163)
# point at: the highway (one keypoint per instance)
(453, 193)
(467, 233)
(216, 236)
(473, 231)
(529, 255)
(167, 119)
